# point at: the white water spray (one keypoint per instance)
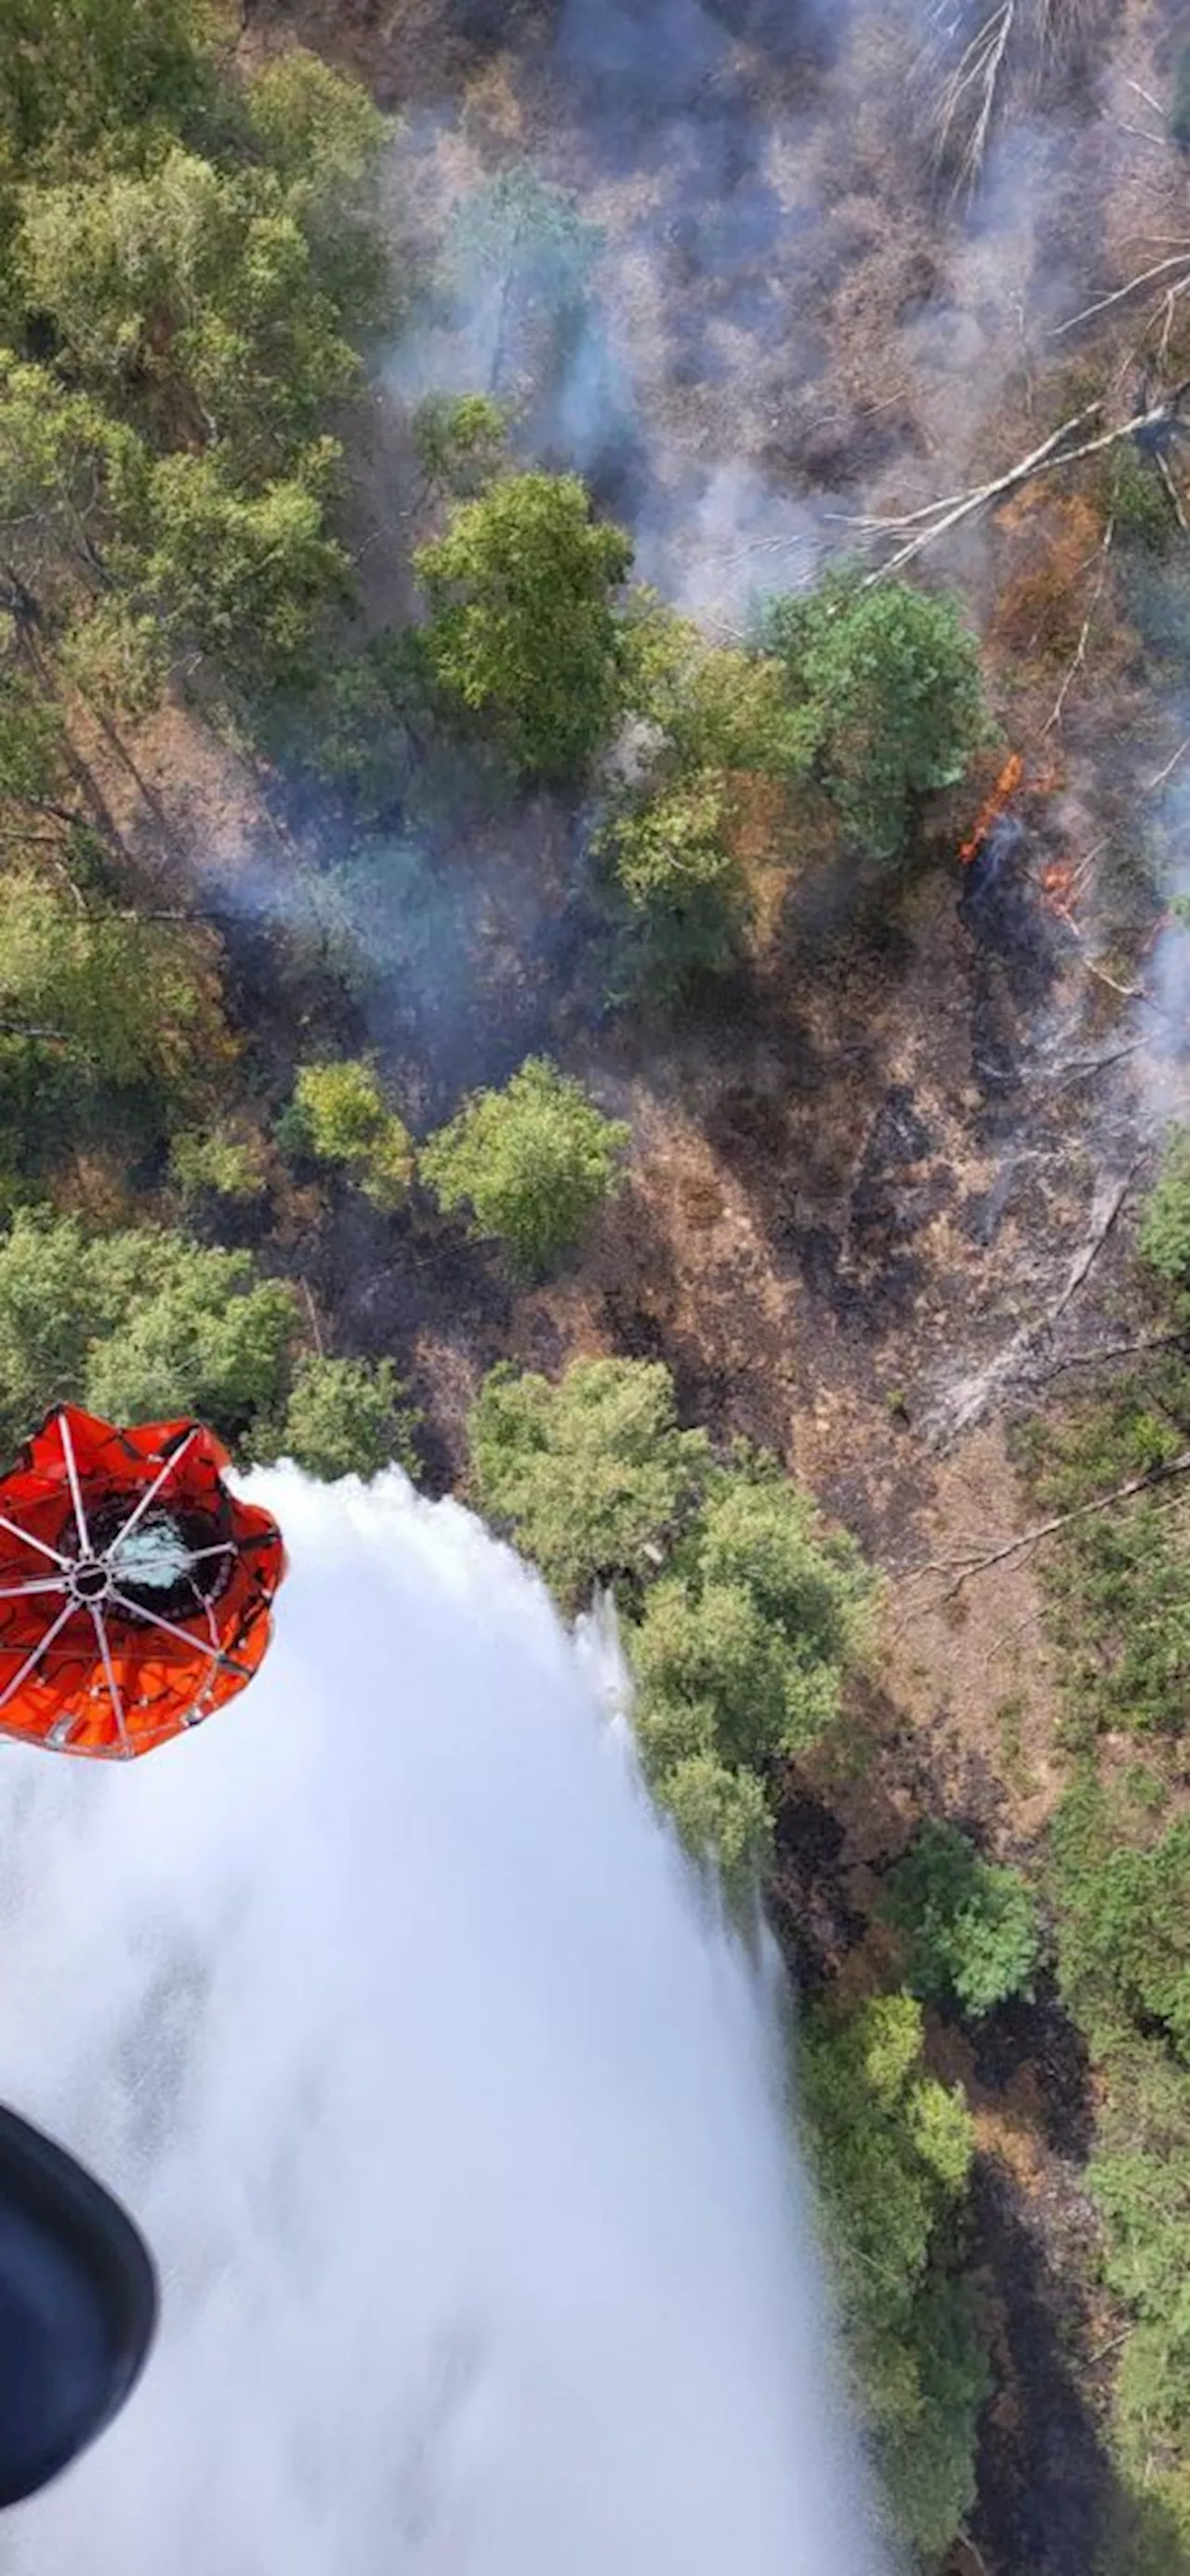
(456, 2125)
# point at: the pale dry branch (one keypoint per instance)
(975, 83)
(1126, 992)
(1146, 95)
(1169, 302)
(1080, 650)
(1095, 1242)
(972, 56)
(1113, 1351)
(1104, 304)
(936, 518)
(1099, 1064)
(1159, 781)
(1171, 490)
(312, 1311)
(964, 1568)
(1045, 459)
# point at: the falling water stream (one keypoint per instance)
(456, 2119)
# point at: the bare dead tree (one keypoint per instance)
(973, 57)
(911, 531)
(1166, 279)
(981, 1561)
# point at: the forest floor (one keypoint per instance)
(864, 1173)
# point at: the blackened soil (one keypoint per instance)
(806, 1901)
(1042, 2036)
(1044, 2479)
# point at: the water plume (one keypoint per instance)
(456, 2118)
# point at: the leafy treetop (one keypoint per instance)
(1125, 1946)
(139, 1325)
(345, 1417)
(133, 1001)
(887, 680)
(99, 76)
(185, 299)
(971, 1927)
(756, 1623)
(893, 2149)
(533, 1160)
(523, 627)
(1165, 1228)
(592, 1477)
(339, 1114)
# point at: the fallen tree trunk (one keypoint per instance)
(942, 516)
(963, 1568)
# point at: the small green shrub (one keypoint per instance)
(592, 1477)
(1165, 1227)
(1118, 1581)
(459, 440)
(347, 1417)
(215, 1159)
(888, 682)
(534, 1161)
(1138, 505)
(721, 1815)
(339, 1114)
(971, 1926)
(523, 630)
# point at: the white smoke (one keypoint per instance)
(455, 2119)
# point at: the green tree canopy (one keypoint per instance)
(1165, 1227)
(248, 579)
(719, 707)
(324, 138)
(346, 1417)
(971, 1926)
(163, 485)
(79, 76)
(591, 1477)
(460, 441)
(718, 718)
(517, 260)
(139, 1325)
(70, 480)
(757, 1623)
(1119, 1580)
(221, 1158)
(339, 1114)
(94, 528)
(33, 773)
(1124, 1956)
(184, 297)
(533, 1160)
(893, 2151)
(523, 627)
(887, 680)
(133, 1002)
(671, 845)
(721, 1815)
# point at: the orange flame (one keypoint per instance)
(990, 811)
(1058, 889)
